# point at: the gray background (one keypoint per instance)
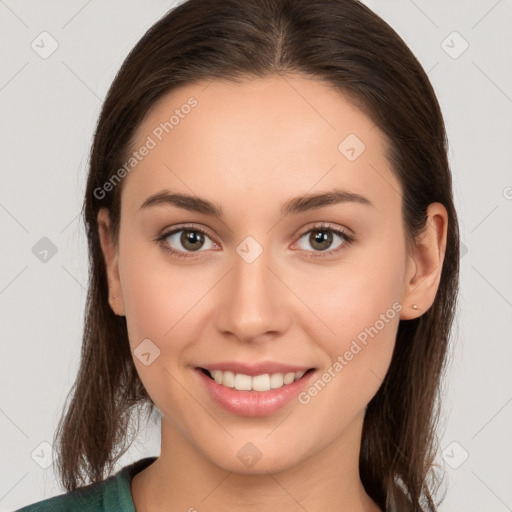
(49, 107)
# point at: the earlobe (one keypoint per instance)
(110, 258)
(425, 264)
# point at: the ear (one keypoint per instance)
(110, 255)
(425, 264)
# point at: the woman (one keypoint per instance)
(274, 266)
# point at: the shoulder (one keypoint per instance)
(112, 494)
(87, 499)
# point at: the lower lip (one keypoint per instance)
(253, 403)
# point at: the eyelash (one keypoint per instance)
(347, 240)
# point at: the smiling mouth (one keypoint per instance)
(264, 382)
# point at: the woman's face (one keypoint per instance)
(270, 287)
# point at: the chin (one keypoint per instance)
(253, 458)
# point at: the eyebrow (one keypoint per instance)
(291, 207)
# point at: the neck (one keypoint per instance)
(183, 479)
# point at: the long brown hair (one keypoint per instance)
(345, 44)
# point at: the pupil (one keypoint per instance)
(191, 240)
(321, 237)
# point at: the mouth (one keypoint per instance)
(258, 388)
(258, 394)
(260, 383)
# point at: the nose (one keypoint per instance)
(252, 302)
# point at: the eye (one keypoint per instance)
(185, 241)
(322, 237)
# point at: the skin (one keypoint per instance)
(250, 147)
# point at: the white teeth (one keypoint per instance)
(276, 380)
(243, 382)
(263, 382)
(228, 379)
(289, 378)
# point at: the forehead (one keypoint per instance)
(272, 137)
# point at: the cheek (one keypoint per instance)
(156, 294)
(360, 313)
(365, 288)
(159, 306)
(357, 303)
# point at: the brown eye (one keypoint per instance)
(186, 241)
(191, 240)
(320, 240)
(324, 240)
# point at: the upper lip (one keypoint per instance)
(255, 368)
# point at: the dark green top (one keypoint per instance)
(112, 494)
